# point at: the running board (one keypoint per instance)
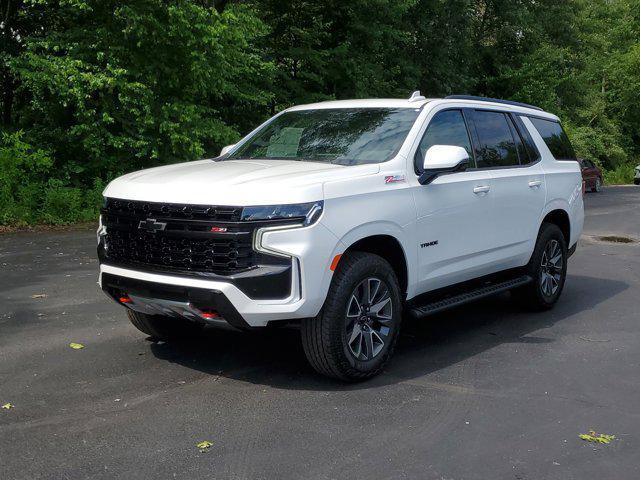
(468, 296)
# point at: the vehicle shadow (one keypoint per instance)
(275, 357)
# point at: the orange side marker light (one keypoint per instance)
(334, 262)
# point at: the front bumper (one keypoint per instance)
(155, 298)
(311, 250)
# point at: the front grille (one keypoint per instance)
(178, 238)
(130, 208)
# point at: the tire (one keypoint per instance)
(344, 340)
(597, 186)
(542, 294)
(164, 328)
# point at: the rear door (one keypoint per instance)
(504, 148)
(453, 212)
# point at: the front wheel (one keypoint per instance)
(548, 269)
(355, 333)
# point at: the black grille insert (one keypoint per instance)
(179, 238)
(174, 211)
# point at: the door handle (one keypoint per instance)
(535, 183)
(481, 189)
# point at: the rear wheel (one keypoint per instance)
(597, 186)
(547, 267)
(164, 328)
(355, 334)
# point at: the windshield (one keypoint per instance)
(346, 136)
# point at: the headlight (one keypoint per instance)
(308, 213)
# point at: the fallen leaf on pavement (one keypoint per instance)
(76, 346)
(586, 339)
(7, 406)
(204, 446)
(39, 295)
(596, 437)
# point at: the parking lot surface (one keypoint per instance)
(486, 391)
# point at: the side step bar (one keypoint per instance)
(420, 311)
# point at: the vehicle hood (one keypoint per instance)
(233, 182)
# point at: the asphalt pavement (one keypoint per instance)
(486, 391)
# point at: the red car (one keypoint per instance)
(591, 175)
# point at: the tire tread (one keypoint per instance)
(321, 337)
(530, 295)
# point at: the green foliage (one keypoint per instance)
(590, 79)
(22, 170)
(28, 193)
(116, 86)
(337, 49)
(621, 175)
(98, 88)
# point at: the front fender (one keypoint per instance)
(385, 228)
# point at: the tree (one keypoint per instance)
(102, 87)
(338, 49)
(111, 87)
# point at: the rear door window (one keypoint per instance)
(497, 145)
(555, 137)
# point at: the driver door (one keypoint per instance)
(454, 212)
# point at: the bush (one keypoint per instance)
(29, 195)
(621, 175)
(22, 169)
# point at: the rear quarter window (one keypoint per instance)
(555, 137)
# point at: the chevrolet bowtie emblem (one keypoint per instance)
(151, 225)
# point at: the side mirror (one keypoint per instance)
(226, 149)
(441, 159)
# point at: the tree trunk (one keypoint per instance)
(7, 97)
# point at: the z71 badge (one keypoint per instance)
(394, 179)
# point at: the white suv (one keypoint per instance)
(344, 216)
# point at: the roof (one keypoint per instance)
(364, 103)
(417, 101)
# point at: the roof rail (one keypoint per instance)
(493, 100)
